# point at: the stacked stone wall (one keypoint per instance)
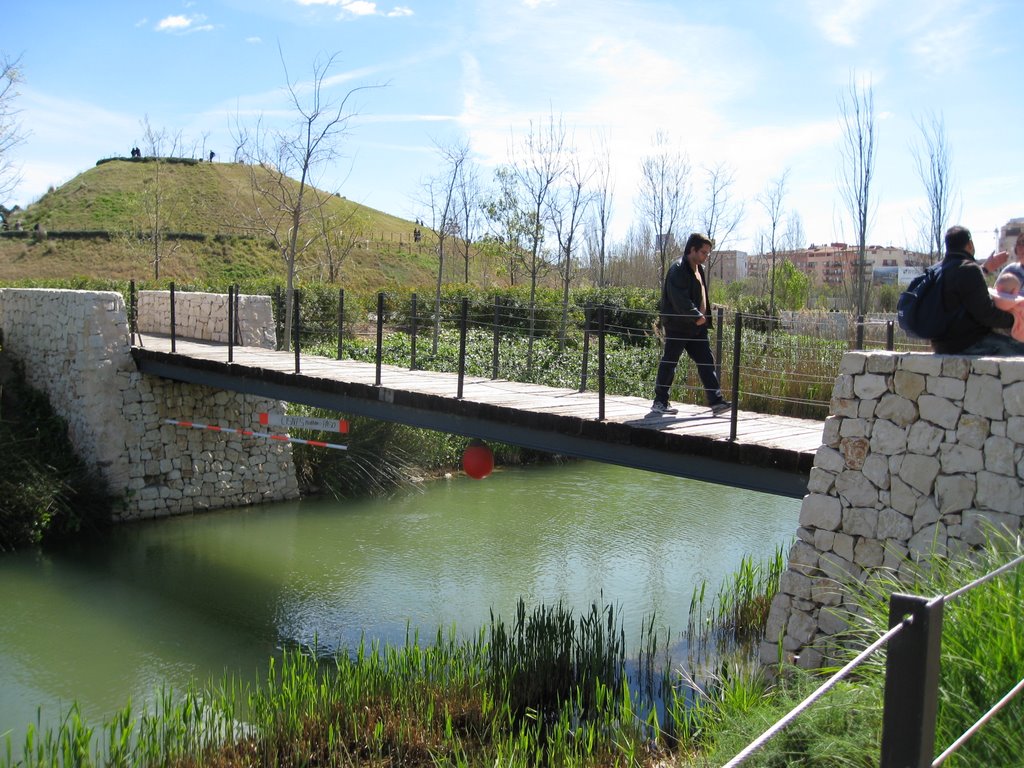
(74, 346)
(921, 454)
(205, 316)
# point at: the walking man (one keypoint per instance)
(686, 319)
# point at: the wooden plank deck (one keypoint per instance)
(776, 452)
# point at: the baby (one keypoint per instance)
(1005, 295)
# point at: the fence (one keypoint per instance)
(766, 364)
(911, 683)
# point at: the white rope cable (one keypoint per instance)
(978, 725)
(761, 740)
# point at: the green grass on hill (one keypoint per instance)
(213, 231)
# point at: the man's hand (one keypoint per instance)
(701, 319)
(995, 262)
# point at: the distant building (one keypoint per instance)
(836, 264)
(728, 266)
(1008, 234)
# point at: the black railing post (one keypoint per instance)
(231, 323)
(380, 334)
(719, 320)
(737, 348)
(860, 332)
(462, 343)
(296, 326)
(890, 340)
(911, 682)
(497, 337)
(586, 347)
(341, 319)
(239, 340)
(600, 362)
(279, 310)
(133, 315)
(412, 336)
(173, 332)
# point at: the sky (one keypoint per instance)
(749, 85)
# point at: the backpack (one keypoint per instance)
(920, 311)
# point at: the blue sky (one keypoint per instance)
(754, 84)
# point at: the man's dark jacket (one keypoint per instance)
(963, 286)
(681, 300)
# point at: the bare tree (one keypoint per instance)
(664, 194)
(341, 230)
(568, 207)
(287, 164)
(720, 214)
(538, 162)
(933, 160)
(857, 148)
(794, 239)
(442, 202)
(601, 204)
(772, 199)
(10, 127)
(467, 211)
(158, 200)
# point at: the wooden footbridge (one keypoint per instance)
(773, 454)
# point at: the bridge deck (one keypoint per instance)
(770, 453)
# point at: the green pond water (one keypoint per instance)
(193, 598)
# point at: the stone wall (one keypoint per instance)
(75, 348)
(921, 454)
(205, 316)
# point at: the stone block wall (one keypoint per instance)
(921, 453)
(74, 346)
(205, 316)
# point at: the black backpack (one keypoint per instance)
(920, 311)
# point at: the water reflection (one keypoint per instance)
(199, 596)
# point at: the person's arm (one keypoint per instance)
(680, 281)
(994, 263)
(970, 282)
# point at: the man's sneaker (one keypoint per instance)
(721, 407)
(663, 408)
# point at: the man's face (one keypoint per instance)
(700, 255)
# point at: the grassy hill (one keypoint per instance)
(101, 223)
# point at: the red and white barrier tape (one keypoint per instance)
(251, 433)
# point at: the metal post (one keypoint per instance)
(462, 343)
(412, 336)
(718, 342)
(586, 347)
(860, 332)
(736, 351)
(133, 316)
(341, 318)
(911, 683)
(890, 341)
(231, 323)
(380, 333)
(173, 335)
(238, 317)
(296, 325)
(600, 362)
(497, 336)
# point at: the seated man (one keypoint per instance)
(974, 332)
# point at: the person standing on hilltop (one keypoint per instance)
(685, 314)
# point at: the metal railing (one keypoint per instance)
(912, 665)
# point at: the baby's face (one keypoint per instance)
(1008, 284)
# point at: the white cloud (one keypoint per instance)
(180, 24)
(839, 20)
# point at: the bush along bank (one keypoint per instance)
(47, 494)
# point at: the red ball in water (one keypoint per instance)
(478, 460)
